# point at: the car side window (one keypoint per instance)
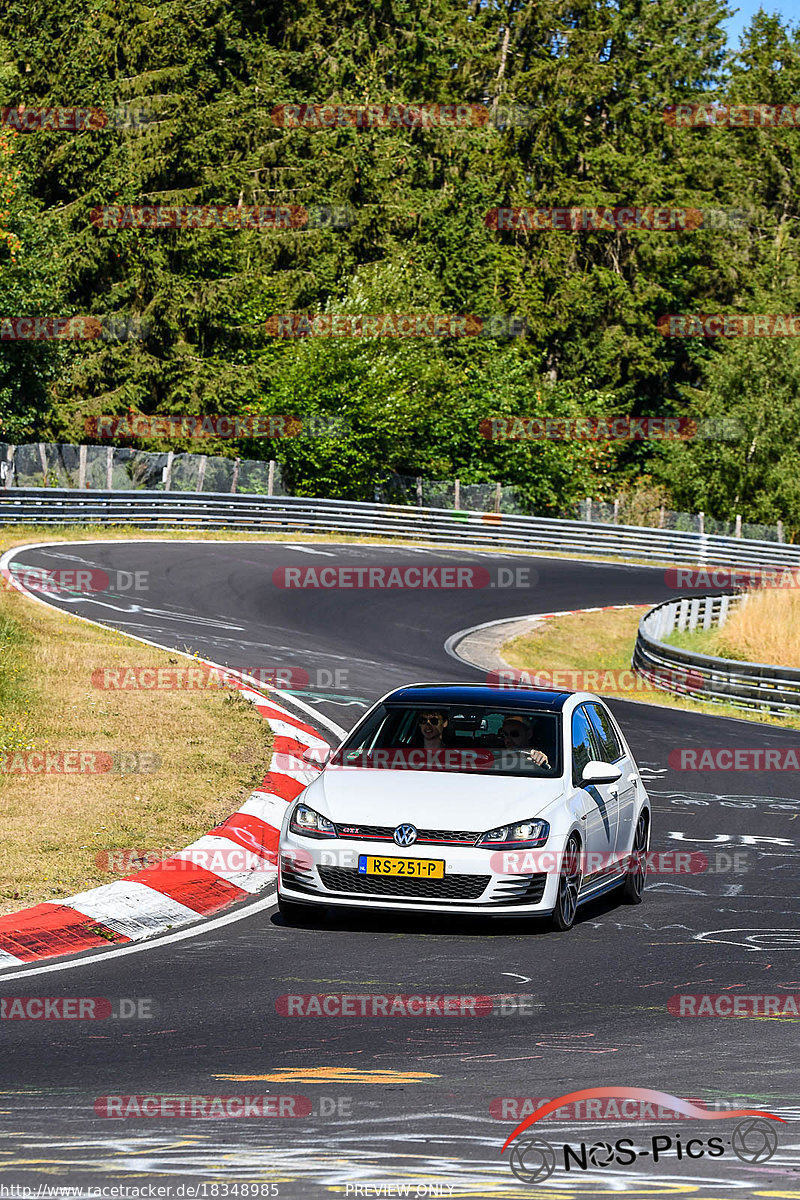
(610, 747)
(583, 743)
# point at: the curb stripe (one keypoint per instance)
(159, 897)
(250, 830)
(52, 929)
(131, 908)
(246, 879)
(193, 886)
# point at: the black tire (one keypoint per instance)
(636, 877)
(569, 885)
(294, 914)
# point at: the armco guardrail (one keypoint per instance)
(296, 514)
(742, 684)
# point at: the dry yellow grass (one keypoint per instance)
(766, 629)
(212, 745)
(603, 642)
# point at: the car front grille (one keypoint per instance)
(452, 887)
(425, 837)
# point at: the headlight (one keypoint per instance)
(524, 833)
(309, 823)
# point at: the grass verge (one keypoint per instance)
(765, 630)
(603, 642)
(209, 749)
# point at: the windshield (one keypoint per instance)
(455, 738)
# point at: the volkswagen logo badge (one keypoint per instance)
(405, 835)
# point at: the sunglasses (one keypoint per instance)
(425, 720)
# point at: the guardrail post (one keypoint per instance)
(201, 472)
(701, 523)
(235, 474)
(738, 530)
(271, 478)
(662, 512)
(744, 684)
(43, 461)
(683, 612)
(588, 508)
(694, 613)
(616, 511)
(109, 468)
(419, 491)
(167, 472)
(81, 466)
(498, 491)
(780, 531)
(9, 464)
(457, 495)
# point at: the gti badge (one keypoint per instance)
(405, 835)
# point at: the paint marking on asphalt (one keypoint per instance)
(330, 1075)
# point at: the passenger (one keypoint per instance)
(517, 734)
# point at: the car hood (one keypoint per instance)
(428, 799)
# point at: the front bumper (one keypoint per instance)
(326, 872)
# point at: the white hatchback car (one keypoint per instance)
(473, 800)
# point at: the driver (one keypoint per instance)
(517, 734)
(432, 726)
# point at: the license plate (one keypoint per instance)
(410, 868)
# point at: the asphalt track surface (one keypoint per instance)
(597, 995)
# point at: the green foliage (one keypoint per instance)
(595, 75)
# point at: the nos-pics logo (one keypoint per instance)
(752, 1140)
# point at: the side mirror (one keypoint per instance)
(600, 772)
(317, 756)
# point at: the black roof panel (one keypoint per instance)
(536, 699)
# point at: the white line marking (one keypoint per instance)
(8, 555)
(203, 927)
